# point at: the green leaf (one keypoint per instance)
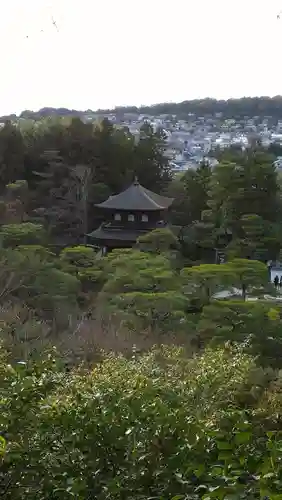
(243, 437)
(2, 445)
(218, 492)
(199, 472)
(268, 475)
(271, 434)
(225, 455)
(217, 471)
(224, 445)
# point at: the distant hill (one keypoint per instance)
(231, 108)
(245, 106)
(44, 113)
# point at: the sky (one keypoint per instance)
(130, 52)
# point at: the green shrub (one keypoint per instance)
(157, 426)
(81, 261)
(25, 233)
(79, 256)
(256, 325)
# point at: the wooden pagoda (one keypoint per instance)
(128, 215)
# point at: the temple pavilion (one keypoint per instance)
(128, 215)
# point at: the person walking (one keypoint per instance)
(276, 281)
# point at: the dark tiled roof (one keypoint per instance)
(115, 234)
(136, 197)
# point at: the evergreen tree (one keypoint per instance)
(150, 163)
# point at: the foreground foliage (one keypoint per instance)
(155, 426)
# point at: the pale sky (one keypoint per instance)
(122, 52)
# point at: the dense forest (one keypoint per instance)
(230, 108)
(135, 376)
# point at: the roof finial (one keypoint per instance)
(136, 180)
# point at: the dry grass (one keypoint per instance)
(91, 338)
(82, 341)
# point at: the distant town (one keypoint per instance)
(191, 136)
(193, 140)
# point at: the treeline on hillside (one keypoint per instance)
(230, 108)
(42, 113)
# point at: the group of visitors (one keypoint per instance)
(277, 282)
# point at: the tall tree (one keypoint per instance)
(198, 241)
(196, 183)
(237, 190)
(260, 240)
(114, 156)
(61, 198)
(79, 144)
(150, 162)
(179, 211)
(12, 153)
